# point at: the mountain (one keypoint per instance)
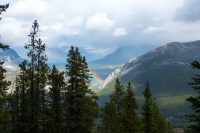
(106, 65)
(121, 55)
(168, 71)
(11, 59)
(167, 68)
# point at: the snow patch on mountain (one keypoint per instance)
(111, 77)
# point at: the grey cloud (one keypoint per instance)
(189, 12)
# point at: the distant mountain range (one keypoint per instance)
(167, 68)
(122, 55)
(11, 59)
(106, 65)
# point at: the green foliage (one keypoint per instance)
(109, 119)
(152, 119)
(131, 120)
(195, 101)
(120, 115)
(147, 113)
(81, 102)
(57, 84)
(20, 101)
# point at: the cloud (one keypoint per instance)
(29, 9)
(152, 29)
(119, 32)
(99, 21)
(189, 11)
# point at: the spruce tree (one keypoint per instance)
(153, 121)
(57, 84)
(195, 101)
(81, 102)
(131, 120)
(118, 95)
(147, 113)
(114, 109)
(20, 101)
(37, 71)
(159, 122)
(109, 120)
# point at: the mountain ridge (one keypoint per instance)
(172, 54)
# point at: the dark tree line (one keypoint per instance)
(121, 115)
(47, 100)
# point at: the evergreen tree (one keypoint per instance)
(153, 121)
(117, 98)
(148, 111)
(118, 95)
(37, 71)
(57, 84)
(131, 120)
(81, 102)
(195, 101)
(159, 122)
(112, 113)
(109, 120)
(20, 104)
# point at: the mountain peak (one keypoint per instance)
(11, 58)
(170, 56)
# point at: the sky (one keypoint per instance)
(98, 27)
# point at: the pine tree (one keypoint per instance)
(153, 121)
(131, 120)
(113, 111)
(41, 83)
(195, 101)
(109, 120)
(159, 122)
(81, 102)
(148, 111)
(118, 95)
(57, 84)
(20, 104)
(37, 72)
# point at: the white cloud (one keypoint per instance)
(29, 9)
(119, 32)
(14, 32)
(99, 21)
(152, 29)
(66, 22)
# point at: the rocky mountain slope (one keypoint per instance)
(167, 68)
(11, 59)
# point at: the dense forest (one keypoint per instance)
(47, 100)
